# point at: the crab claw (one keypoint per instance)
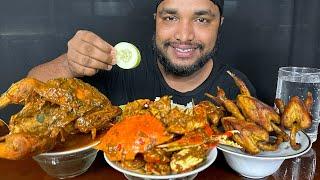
(19, 146)
(186, 158)
(19, 92)
(197, 138)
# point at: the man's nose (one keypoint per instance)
(184, 32)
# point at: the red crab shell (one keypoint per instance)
(134, 134)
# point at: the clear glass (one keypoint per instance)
(299, 168)
(66, 165)
(297, 81)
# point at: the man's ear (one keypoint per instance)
(222, 19)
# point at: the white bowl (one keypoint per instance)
(187, 175)
(265, 163)
(67, 164)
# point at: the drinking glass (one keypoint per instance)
(297, 81)
(299, 168)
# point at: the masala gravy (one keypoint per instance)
(75, 141)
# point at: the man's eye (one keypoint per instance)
(202, 20)
(170, 18)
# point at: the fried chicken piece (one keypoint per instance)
(252, 137)
(255, 110)
(296, 116)
(211, 112)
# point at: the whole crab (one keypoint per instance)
(58, 107)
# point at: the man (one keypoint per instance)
(182, 64)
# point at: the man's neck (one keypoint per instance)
(188, 83)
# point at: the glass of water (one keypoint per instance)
(297, 81)
(299, 168)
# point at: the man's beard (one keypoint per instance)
(179, 70)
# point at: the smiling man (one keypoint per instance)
(186, 34)
(180, 62)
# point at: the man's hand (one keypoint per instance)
(88, 53)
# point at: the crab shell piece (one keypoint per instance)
(157, 169)
(134, 134)
(188, 158)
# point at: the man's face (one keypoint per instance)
(186, 34)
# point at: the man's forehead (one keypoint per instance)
(180, 7)
(219, 3)
(158, 2)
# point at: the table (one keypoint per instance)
(29, 169)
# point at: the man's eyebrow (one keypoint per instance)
(204, 12)
(168, 11)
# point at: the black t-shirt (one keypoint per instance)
(146, 82)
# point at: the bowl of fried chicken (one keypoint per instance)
(59, 123)
(266, 162)
(266, 135)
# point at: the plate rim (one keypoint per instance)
(213, 152)
(271, 157)
(90, 145)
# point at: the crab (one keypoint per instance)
(296, 116)
(59, 107)
(167, 138)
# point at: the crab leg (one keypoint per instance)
(196, 139)
(92, 121)
(18, 146)
(19, 92)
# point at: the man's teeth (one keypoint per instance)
(184, 50)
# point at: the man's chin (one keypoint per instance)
(178, 69)
(182, 61)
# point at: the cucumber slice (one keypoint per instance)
(127, 55)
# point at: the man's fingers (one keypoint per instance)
(87, 53)
(81, 70)
(95, 40)
(86, 61)
(87, 49)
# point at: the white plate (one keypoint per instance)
(284, 151)
(210, 159)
